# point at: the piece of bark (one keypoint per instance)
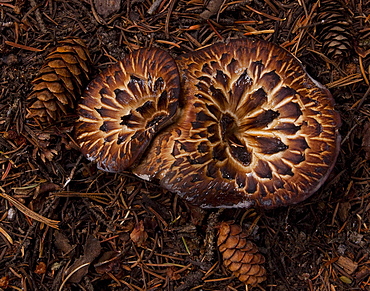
(347, 265)
(212, 8)
(92, 249)
(138, 234)
(106, 8)
(62, 243)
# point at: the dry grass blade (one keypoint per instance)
(265, 14)
(23, 47)
(347, 80)
(99, 197)
(364, 74)
(256, 32)
(29, 212)
(6, 235)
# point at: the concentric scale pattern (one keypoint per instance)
(124, 107)
(256, 129)
(253, 128)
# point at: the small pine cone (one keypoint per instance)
(362, 33)
(60, 82)
(334, 30)
(240, 255)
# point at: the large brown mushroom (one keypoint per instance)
(256, 129)
(253, 129)
(123, 108)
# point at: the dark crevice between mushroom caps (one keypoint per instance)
(157, 124)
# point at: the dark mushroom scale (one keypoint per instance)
(125, 106)
(255, 129)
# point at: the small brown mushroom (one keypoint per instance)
(125, 106)
(256, 129)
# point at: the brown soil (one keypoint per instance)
(118, 233)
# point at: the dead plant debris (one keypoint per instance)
(64, 225)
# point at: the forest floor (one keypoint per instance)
(321, 244)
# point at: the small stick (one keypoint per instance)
(154, 6)
(38, 16)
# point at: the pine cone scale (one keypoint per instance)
(46, 96)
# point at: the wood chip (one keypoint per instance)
(347, 264)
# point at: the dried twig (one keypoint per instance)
(29, 212)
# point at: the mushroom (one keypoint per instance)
(256, 130)
(123, 108)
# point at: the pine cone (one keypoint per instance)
(362, 32)
(334, 30)
(240, 255)
(60, 82)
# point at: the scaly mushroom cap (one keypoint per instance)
(123, 108)
(256, 129)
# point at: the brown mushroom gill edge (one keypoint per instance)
(256, 130)
(123, 108)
